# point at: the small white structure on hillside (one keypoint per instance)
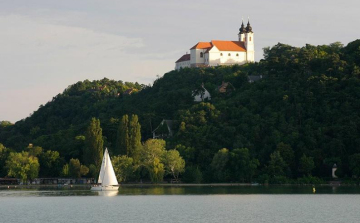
(221, 52)
(201, 95)
(334, 171)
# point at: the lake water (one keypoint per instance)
(183, 204)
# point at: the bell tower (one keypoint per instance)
(249, 43)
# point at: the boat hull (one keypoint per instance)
(105, 188)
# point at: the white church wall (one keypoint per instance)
(227, 57)
(214, 57)
(193, 56)
(182, 64)
(251, 56)
(196, 58)
(206, 56)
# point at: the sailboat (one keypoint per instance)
(107, 177)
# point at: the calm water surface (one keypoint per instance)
(183, 204)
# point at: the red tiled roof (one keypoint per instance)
(202, 45)
(229, 45)
(185, 57)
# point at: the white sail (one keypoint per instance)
(102, 169)
(109, 173)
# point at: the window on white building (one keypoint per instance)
(237, 54)
(229, 54)
(220, 54)
(250, 38)
(201, 54)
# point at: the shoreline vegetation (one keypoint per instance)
(291, 118)
(137, 185)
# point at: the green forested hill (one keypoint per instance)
(299, 119)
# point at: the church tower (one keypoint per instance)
(249, 43)
(242, 32)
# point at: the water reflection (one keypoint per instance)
(106, 193)
(209, 190)
(178, 190)
(154, 190)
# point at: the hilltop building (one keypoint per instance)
(221, 52)
(201, 94)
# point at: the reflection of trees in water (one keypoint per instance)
(236, 189)
(152, 190)
(166, 190)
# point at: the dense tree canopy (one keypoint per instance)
(299, 119)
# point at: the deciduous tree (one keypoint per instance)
(76, 169)
(277, 165)
(151, 154)
(219, 164)
(50, 164)
(123, 138)
(65, 170)
(93, 151)
(354, 161)
(23, 166)
(4, 154)
(242, 164)
(135, 138)
(306, 165)
(174, 163)
(123, 167)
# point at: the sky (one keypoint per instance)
(47, 45)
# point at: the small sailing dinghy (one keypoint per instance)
(107, 177)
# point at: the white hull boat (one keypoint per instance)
(107, 179)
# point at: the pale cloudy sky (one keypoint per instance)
(47, 45)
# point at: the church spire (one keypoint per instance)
(248, 27)
(242, 28)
